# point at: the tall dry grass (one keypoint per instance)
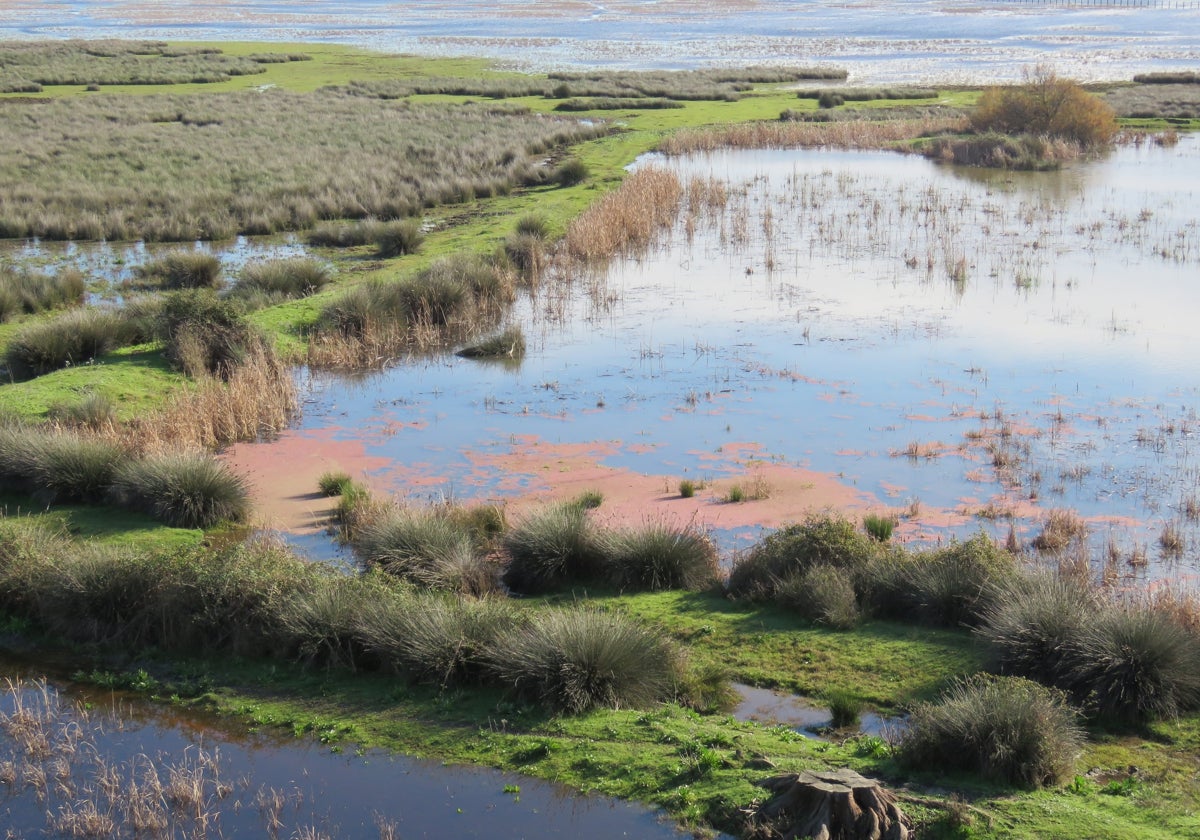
(627, 219)
(844, 134)
(257, 400)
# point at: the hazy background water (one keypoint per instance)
(941, 41)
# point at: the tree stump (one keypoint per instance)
(828, 805)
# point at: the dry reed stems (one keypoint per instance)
(258, 400)
(627, 219)
(849, 134)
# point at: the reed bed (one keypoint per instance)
(644, 206)
(858, 134)
(112, 62)
(724, 84)
(372, 324)
(256, 401)
(159, 167)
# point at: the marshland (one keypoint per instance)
(556, 463)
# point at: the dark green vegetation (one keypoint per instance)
(611, 619)
(1005, 728)
(184, 490)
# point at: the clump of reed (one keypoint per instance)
(343, 234)
(879, 526)
(426, 547)
(294, 277)
(823, 594)
(334, 483)
(508, 345)
(93, 410)
(372, 322)
(1006, 729)
(849, 134)
(579, 659)
(627, 219)
(112, 62)
(951, 586)
(256, 400)
(845, 707)
(57, 466)
(206, 334)
(656, 556)
(853, 94)
(1124, 663)
(25, 292)
(183, 490)
(526, 247)
(551, 548)
(73, 338)
(395, 239)
(182, 270)
(820, 540)
(443, 640)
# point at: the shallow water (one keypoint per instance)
(776, 708)
(308, 786)
(879, 41)
(835, 339)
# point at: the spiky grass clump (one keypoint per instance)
(73, 468)
(576, 660)
(183, 270)
(552, 548)
(183, 490)
(845, 707)
(950, 586)
(56, 466)
(1007, 729)
(334, 483)
(206, 334)
(93, 411)
(395, 239)
(571, 172)
(343, 235)
(879, 527)
(656, 556)
(1133, 664)
(435, 638)
(823, 539)
(322, 622)
(822, 594)
(687, 488)
(286, 278)
(424, 547)
(74, 338)
(27, 293)
(1033, 623)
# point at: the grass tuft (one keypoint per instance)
(656, 556)
(553, 547)
(74, 338)
(183, 270)
(425, 547)
(576, 660)
(1006, 729)
(183, 490)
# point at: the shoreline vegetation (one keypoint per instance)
(1037, 701)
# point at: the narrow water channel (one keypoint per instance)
(83, 762)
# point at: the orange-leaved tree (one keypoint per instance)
(1049, 106)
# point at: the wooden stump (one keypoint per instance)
(828, 805)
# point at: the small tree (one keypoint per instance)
(1046, 105)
